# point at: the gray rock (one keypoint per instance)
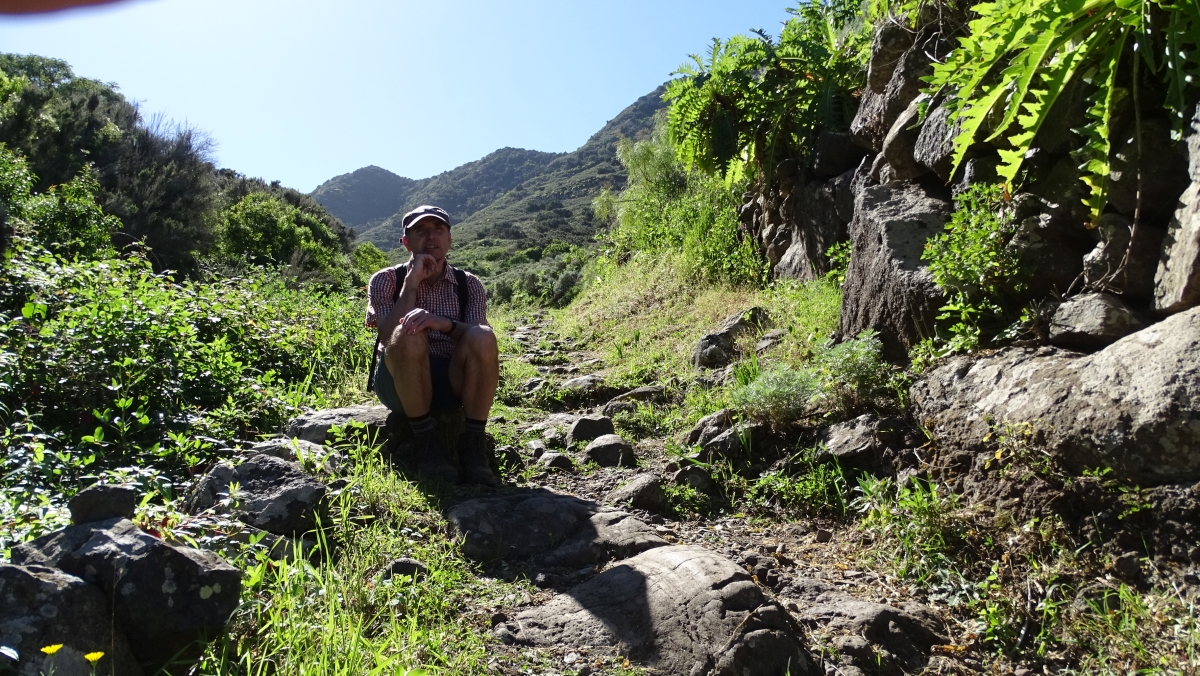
(405, 566)
(877, 111)
(976, 171)
(900, 144)
(678, 609)
(612, 408)
(694, 476)
(556, 461)
(549, 530)
(770, 339)
(1164, 171)
(907, 633)
(835, 153)
(532, 385)
(315, 426)
(509, 457)
(854, 443)
(934, 147)
(102, 502)
(887, 287)
(610, 450)
(584, 384)
(274, 495)
(1092, 321)
(1177, 282)
(817, 228)
(708, 427)
(589, 427)
(843, 192)
(45, 606)
(536, 448)
(1133, 406)
(167, 600)
(717, 349)
(644, 491)
(644, 393)
(892, 39)
(291, 449)
(729, 445)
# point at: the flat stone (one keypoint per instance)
(644, 393)
(405, 566)
(610, 450)
(315, 426)
(1133, 406)
(644, 491)
(589, 427)
(584, 384)
(548, 529)
(168, 600)
(1092, 321)
(44, 606)
(290, 448)
(274, 495)
(678, 609)
(100, 502)
(556, 461)
(770, 339)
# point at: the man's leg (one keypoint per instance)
(474, 375)
(407, 358)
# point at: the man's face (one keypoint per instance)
(428, 236)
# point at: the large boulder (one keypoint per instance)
(678, 609)
(835, 153)
(589, 427)
(315, 426)
(716, 349)
(934, 147)
(898, 639)
(888, 288)
(1133, 406)
(101, 502)
(168, 600)
(548, 529)
(44, 607)
(1145, 160)
(1177, 282)
(1092, 321)
(610, 450)
(644, 491)
(877, 111)
(273, 494)
(817, 227)
(900, 144)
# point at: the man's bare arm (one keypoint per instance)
(419, 269)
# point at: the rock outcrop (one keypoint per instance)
(168, 600)
(679, 609)
(888, 289)
(44, 606)
(1133, 406)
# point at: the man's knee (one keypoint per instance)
(408, 346)
(480, 341)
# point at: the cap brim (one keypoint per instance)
(422, 217)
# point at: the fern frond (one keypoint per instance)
(1093, 156)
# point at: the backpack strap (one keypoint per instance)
(464, 293)
(398, 271)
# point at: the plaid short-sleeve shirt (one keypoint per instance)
(439, 297)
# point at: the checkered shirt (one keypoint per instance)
(439, 297)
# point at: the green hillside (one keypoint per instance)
(510, 200)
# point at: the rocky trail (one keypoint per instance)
(584, 517)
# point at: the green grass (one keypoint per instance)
(337, 617)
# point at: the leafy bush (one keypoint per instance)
(971, 263)
(1022, 55)
(763, 100)
(843, 376)
(917, 520)
(69, 221)
(666, 208)
(780, 395)
(817, 488)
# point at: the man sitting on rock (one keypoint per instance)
(438, 350)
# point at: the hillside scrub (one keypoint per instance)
(108, 366)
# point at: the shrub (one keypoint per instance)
(854, 372)
(970, 262)
(780, 395)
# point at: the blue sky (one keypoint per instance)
(301, 91)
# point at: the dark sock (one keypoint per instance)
(475, 425)
(422, 426)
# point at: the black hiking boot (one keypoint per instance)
(432, 460)
(473, 456)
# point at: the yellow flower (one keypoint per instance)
(93, 657)
(51, 649)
